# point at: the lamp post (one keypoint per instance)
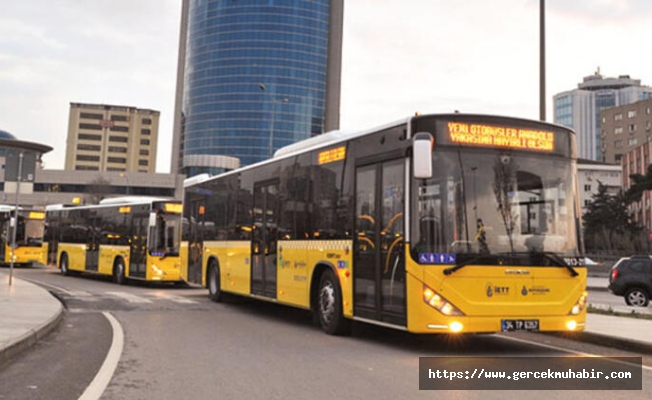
(270, 146)
(14, 221)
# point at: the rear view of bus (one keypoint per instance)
(494, 227)
(28, 236)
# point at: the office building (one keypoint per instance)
(111, 138)
(254, 76)
(579, 109)
(625, 128)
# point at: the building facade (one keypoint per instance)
(636, 161)
(580, 109)
(111, 138)
(624, 128)
(254, 76)
(590, 174)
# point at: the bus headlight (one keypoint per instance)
(439, 303)
(579, 306)
(157, 270)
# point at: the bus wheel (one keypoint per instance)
(63, 265)
(213, 282)
(119, 272)
(329, 306)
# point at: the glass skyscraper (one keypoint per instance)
(254, 76)
(579, 109)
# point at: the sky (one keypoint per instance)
(399, 57)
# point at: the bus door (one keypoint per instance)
(264, 236)
(138, 256)
(379, 262)
(92, 242)
(195, 240)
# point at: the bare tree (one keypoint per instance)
(505, 174)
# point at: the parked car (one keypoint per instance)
(631, 277)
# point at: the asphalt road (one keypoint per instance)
(179, 345)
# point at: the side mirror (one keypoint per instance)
(152, 220)
(422, 155)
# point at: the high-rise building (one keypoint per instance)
(111, 138)
(253, 76)
(579, 109)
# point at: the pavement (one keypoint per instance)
(29, 312)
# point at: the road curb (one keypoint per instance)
(27, 340)
(611, 341)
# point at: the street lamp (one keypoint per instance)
(284, 100)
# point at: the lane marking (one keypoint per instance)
(96, 388)
(549, 346)
(131, 298)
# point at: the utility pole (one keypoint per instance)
(542, 61)
(14, 221)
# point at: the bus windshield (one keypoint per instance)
(30, 231)
(165, 235)
(491, 202)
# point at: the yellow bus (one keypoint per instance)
(29, 247)
(433, 224)
(126, 238)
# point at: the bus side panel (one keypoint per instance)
(76, 255)
(108, 253)
(296, 262)
(235, 264)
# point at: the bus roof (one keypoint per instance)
(132, 200)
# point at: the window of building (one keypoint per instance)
(84, 157)
(86, 168)
(117, 128)
(89, 147)
(618, 130)
(618, 144)
(94, 116)
(119, 118)
(144, 152)
(117, 160)
(618, 117)
(632, 127)
(144, 141)
(147, 121)
(587, 188)
(88, 136)
(586, 203)
(631, 114)
(116, 149)
(143, 163)
(145, 131)
(633, 141)
(115, 169)
(120, 139)
(93, 127)
(647, 110)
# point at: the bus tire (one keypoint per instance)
(213, 282)
(64, 266)
(329, 305)
(119, 272)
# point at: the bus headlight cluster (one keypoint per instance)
(157, 270)
(439, 303)
(581, 303)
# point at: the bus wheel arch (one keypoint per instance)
(119, 271)
(213, 280)
(326, 301)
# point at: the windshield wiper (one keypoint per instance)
(553, 257)
(472, 260)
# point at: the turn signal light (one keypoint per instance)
(439, 303)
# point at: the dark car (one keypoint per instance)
(631, 277)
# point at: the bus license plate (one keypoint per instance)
(510, 325)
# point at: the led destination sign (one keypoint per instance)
(501, 136)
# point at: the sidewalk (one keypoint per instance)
(28, 313)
